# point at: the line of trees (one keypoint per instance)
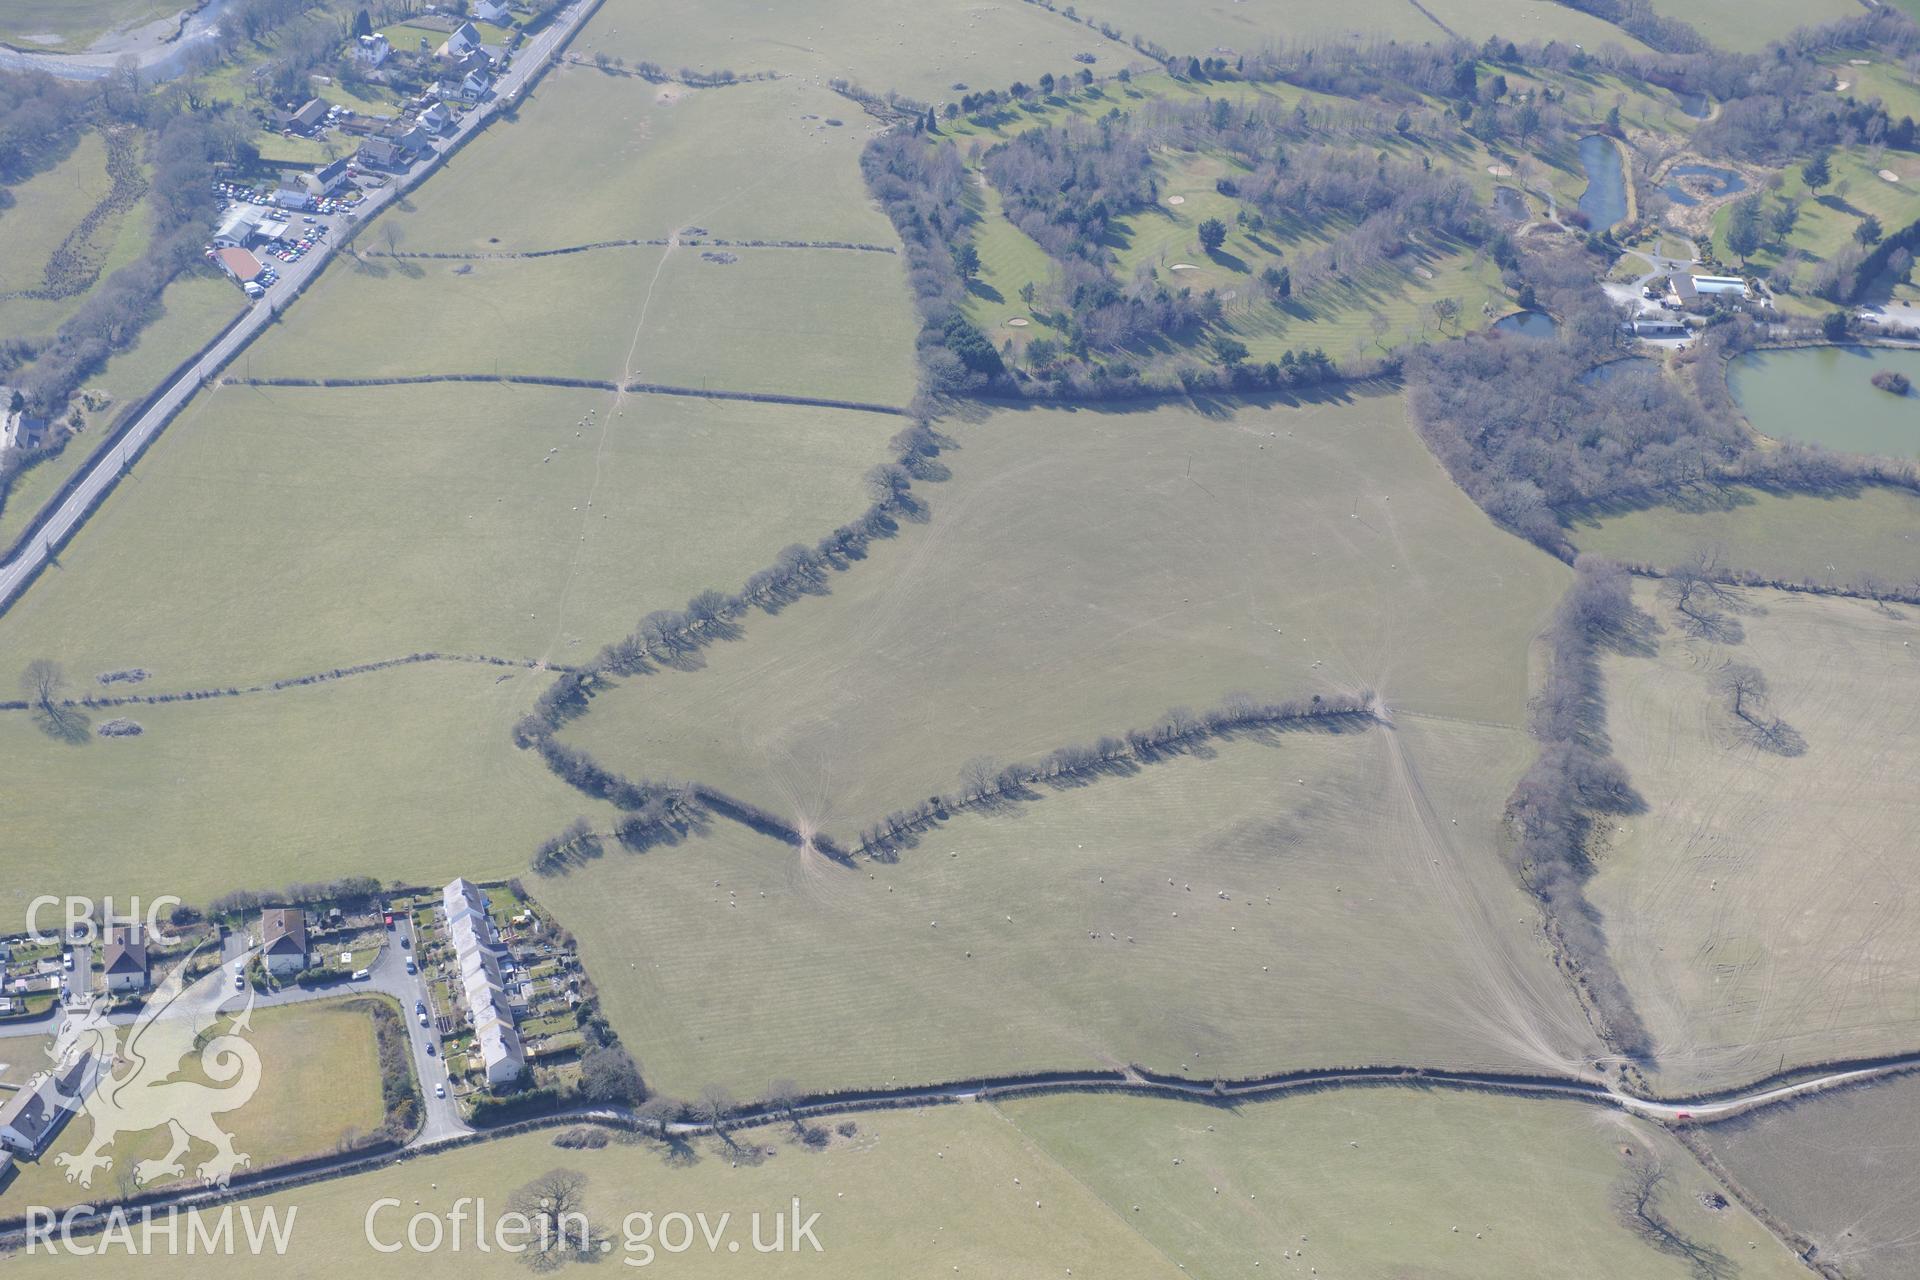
(986, 781)
(1575, 779)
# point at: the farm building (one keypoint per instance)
(125, 959)
(1658, 326)
(35, 1113)
(1723, 286)
(283, 940)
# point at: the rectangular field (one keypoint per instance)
(405, 774)
(278, 531)
(1082, 572)
(607, 155)
(319, 1084)
(1392, 1183)
(1266, 903)
(921, 48)
(1843, 1170)
(905, 1192)
(1788, 537)
(1763, 912)
(1750, 25)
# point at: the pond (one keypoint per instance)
(1697, 105)
(1605, 199)
(1717, 182)
(1528, 324)
(1826, 396)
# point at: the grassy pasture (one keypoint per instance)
(400, 774)
(281, 531)
(910, 1192)
(66, 26)
(1843, 1170)
(1789, 536)
(798, 321)
(1750, 25)
(920, 48)
(194, 307)
(1346, 936)
(1082, 572)
(319, 1083)
(603, 156)
(48, 207)
(1249, 27)
(1480, 19)
(1389, 1183)
(1763, 912)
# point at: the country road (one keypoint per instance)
(53, 529)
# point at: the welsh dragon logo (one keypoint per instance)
(137, 1071)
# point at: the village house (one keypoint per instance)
(125, 960)
(34, 1113)
(493, 11)
(292, 193)
(436, 118)
(326, 180)
(502, 1057)
(283, 941)
(380, 153)
(464, 40)
(372, 50)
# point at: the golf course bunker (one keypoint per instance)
(1176, 199)
(1018, 322)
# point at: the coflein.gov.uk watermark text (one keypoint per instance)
(641, 1239)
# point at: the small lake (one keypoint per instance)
(1605, 199)
(1716, 181)
(1825, 396)
(1528, 324)
(1509, 204)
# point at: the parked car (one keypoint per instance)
(411, 966)
(423, 1019)
(239, 980)
(440, 1090)
(361, 975)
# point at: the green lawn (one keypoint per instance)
(319, 1084)
(1827, 221)
(1048, 936)
(405, 774)
(1391, 1183)
(1140, 560)
(1790, 536)
(195, 306)
(601, 156)
(276, 531)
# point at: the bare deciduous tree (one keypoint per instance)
(43, 684)
(1636, 1200)
(554, 1205)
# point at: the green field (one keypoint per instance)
(1762, 911)
(919, 47)
(194, 307)
(601, 156)
(795, 321)
(1040, 1187)
(281, 531)
(1750, 25)
(1082, 572)
(319, 1085)
(1792, 537)
(1827, 222)
(47, 209)
(69, 25)
(1390, 1183)
(1843, 1171)
(406, 774)
(1369, 918)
